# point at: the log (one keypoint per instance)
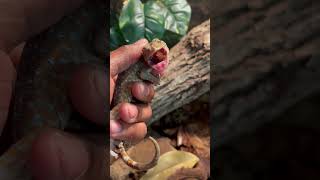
(188, 74)
(266, 60)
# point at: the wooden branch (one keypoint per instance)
(266, 60)
(188, 75)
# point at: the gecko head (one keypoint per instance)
(156, 55)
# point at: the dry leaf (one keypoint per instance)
(200, 171)
(169, 163)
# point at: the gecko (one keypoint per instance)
(150, 68)
(47, 62)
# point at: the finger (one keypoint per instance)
(58, 155)
(112, 86)
(7, 77)
(20, 20)
(130, 113)
(88, 93)
(143, 91)
(129, 132)
(123, 57)
(16, 53)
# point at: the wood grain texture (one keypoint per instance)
(188, 75)
(266, 60)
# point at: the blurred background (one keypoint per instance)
(265, 97)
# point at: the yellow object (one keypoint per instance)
(169, 163)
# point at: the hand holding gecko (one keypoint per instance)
(54, 153)
(153, 63)
(133, 116)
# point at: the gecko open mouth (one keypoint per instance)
(159, 60)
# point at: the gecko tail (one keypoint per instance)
(137, 165)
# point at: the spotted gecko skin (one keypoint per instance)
(41, 88)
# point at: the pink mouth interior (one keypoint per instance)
(159, 61)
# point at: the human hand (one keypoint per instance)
(54, 154)
(131, 125)
(19, 21)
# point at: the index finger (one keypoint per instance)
(59, 155)
(123, 57)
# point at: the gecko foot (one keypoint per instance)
(149, 76)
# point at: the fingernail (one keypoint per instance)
(100, 82)
(115, 127)
(143, 89)
(73, 156)
(132, 112)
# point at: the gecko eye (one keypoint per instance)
(158, 56)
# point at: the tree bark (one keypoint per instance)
(188, 74)
(266, 59)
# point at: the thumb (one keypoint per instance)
(123, 57)
(7, 77)
(58, 155)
